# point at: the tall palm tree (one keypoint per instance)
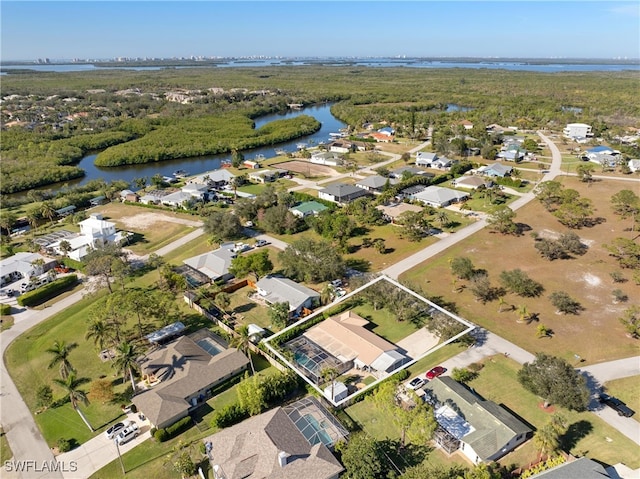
(71, 384)
(126, 362)
(60, 352)
(546, 439)
(442, 218)
(242, 342)
(100, 332)
(47, 211)
(329, 374)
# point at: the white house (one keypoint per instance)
(439, 197)
(214, 264)
(95, 232)
(634, 165)
(276, 289)
(23, 265)
(329, 158)
(577, 131)
(425, 158)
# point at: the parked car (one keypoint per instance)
(614, 403)
(127, 434)
(415, 383)
(114, 430)
(261, 242)
(249, 224)
(435, 372)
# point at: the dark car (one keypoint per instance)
(614, 403)
(435, 372)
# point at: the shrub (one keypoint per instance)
(47, 291)
(463, 375)
(229, 415)
(564, 303)
(44, 396)
(172, 431)
(64, 445)
(5, 309)
(160, 435)
(518, 282)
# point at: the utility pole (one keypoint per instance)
(120, 457)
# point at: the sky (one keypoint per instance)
(165, 29)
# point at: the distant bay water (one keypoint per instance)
(524, 65)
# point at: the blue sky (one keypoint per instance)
(541, 29)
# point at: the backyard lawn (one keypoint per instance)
(384, 323)
(595, 334)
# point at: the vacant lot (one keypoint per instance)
(595, 334)
(153, 228)
(307, 169)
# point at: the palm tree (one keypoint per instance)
(71, 384)
(60, 352)
(100, 331)
(242, 342)
(442, 218)
(329, 374)
(523, 313)
(222, 301)
(47, 211)
(7, 219)
(65, 247)
(546, 439)
(126, 362)
(501, 303)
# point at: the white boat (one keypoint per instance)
(180, 173)
(280, 151)
(336, 135)
(301, 146)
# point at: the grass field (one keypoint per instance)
(595, 334)
(384, 323)
(5, 450)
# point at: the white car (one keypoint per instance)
(415, 383)
(261, 242)
(116, 428)
(127, 434)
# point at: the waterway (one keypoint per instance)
(194, 166)
(537, 66)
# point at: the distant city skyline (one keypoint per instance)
(167, 29)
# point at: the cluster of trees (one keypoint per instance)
(311, 261)
(565, 204)
(567, 244)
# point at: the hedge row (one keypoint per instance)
(48, 291)
(73, 264)
(172, 431)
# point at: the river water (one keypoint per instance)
(194, 166)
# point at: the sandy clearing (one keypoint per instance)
(307, 168)
(143, 221)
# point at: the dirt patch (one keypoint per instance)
(145, 221)
(591, 280)
(307, 169)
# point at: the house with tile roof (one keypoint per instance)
(291, 442)
(482, 430)
(182, 374)
(345, 336)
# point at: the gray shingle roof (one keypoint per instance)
(342, 190)
(284, 290)
(492, 427)
(583, 468)
(213, 264)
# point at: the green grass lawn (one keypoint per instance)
(5, 450)
(588, 434)
(628, 391)
(249, 311)
(384, 323)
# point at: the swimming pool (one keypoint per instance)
(210, 346)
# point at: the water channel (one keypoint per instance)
(194, 166)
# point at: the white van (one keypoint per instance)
(31, 285)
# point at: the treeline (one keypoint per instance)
(189, 137)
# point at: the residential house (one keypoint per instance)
(252, 165)
(345, 336)
(577, 131)
(66, 211)
(187, 195)
(24, 265)
(425, 158)
(634, 165)
(95, 232)
(154, 197)
(214, 264)
(381, 137)
(466, 124)
(329, 158)
(97, 201)
(183, 373)
(604, 159)
(515, 154)
(308, 208)
(262, 176)
(583, 468)
(438, 197)
(387, 131)
(408, 192)
(277, 289)
(290, 442)
(342, 193)
(471, 182)
(495, 128)
(376, 183)
(128, 195)
(215, 179)
(482, 430)
(393, 210)
(600, 150)
(495, 170)
(443, 162)
(340, 147)
(399, 173)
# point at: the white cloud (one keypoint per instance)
(627, 9)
